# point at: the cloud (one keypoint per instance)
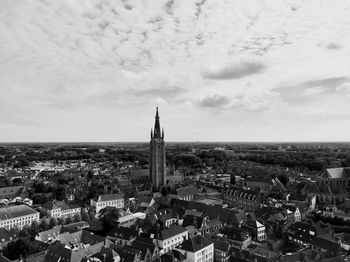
(235, 69)
(160, 101)
(166, 91)
(331, 45)
(344, 87)
(312, 91)
(214, 101)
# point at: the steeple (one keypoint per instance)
(157, 133)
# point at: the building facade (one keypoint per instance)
(113, 200)
(157, 171)
(17, 216)
(198, 249)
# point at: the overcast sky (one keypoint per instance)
(94, 70)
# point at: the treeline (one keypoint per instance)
(290, 160)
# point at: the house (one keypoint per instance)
(171, 237)
(198, 249)
(122, 235)
(59, 209)
(202, 223)
(344, 240)
(238, 236)
(292, 213)
(166, 217)
(242, 198)
(113, 200)
(17, 216)
(106, 255)
(256, 230)
(127, 253)
(148, 247)
(222, 248)
(49, 236)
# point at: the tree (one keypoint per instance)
(77, 217)
(109, 218)
(52, 222)
(69, 220)
(34, 229)
(45, 224)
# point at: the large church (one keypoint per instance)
(157, 162)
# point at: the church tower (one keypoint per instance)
(157, 156)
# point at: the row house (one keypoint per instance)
(242, 198)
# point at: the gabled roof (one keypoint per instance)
(123, 233)
(126, 253)
(45, 236)
(195, 244)
(336, 173)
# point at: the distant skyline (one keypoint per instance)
(240, 71)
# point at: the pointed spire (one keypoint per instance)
(151, 132)
(157, 126)
(162, 132)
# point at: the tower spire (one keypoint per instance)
(157, 133)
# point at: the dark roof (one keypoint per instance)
(237, 234)
(225, 215)
(326, 244)
(126, 253)
(173, 256)
(172, 231)
(6, 235)
(186, 191)
(221, 244)
(195, 244)
(16, 211)
(123, 233)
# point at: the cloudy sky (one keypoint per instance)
(227, 70)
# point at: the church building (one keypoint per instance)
(157, 163)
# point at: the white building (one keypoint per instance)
(17, 216)
(58, 209)
(198, 249)
(113, 200)
(171, 238)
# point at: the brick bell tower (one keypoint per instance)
(157, 172)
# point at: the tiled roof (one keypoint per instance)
(6, 235)
(221, 244)
(123, 233)
(49, 234)
(195, 244)
(172, 231)
(336, 172)
(110, 197)
(186, 191)
(15, 211)
(223, 214)
(126, 253)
